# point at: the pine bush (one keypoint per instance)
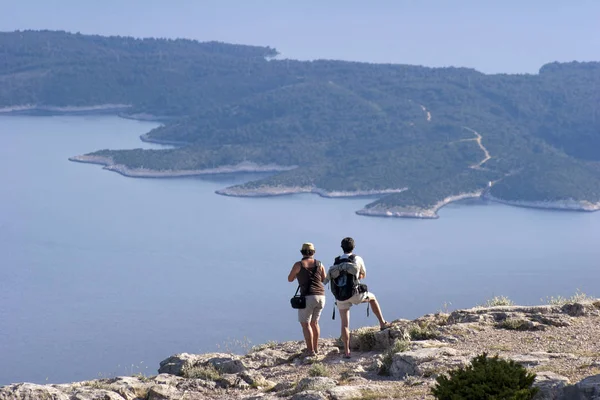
(486, 378)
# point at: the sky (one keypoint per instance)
(510, 36)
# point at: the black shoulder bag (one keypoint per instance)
(299, 301)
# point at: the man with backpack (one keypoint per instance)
(344, 276)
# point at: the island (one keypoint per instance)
(415, 138)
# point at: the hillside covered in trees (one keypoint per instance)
(348, 127)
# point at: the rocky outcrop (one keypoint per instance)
(551, 385)
(557, 342)
(428, 362)
(587, 389)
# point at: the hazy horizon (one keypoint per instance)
(491, 37)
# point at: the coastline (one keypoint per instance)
(145, 117)
(271, 191)
(376, 211)
(147, 139)
(414, 211)
(109, 165)
(34, 109)
(431, 212)
(559, 205)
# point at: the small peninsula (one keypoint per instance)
(415, 138)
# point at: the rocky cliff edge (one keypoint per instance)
(560, 343)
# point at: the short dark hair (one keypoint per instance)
(347, 244)
(307, 252)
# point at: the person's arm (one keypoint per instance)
(327, 276)
(362, 274)
(294, 272)
(323, 274)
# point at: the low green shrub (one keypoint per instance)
(269, 345)
(207, 372)
(515, 324)
(397, 347)
(498, 301)
(366, 339)
(422, 331)
(578, 297)
(318, 369)
(486, 378)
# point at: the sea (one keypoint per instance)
(103, 275)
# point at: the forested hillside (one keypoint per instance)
(347, 126)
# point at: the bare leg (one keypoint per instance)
(377, 312)
(316, 331)
(308, 336)
(345, 317)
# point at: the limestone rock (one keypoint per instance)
(94, 394)
(167, 379)
(316, 383)
(227, 365)
(131, 388)
(255, 379)
(552, 320)
(266, 358)
(376, 363)
(309, 395)
(344, 393)
(425, 361)
(333, 351)
(177, 364)
(551, 385)
(281, 386)
(232, 381)
(530, 360)
(197, 385)
(31, 391)
(574, 309)
(262, 396)
(586, 389)
(164, 392)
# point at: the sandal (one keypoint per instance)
(347, 356)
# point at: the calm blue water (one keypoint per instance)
(107, 275)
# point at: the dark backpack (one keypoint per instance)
(345, 285)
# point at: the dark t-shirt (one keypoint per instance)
(310, 279)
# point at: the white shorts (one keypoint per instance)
(312, 312)
(354, 300)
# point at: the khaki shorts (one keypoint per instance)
(354, 300)
(312, 312)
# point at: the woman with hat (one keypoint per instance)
(310, 274)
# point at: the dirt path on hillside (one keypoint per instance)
(427, 112)
(477, 139)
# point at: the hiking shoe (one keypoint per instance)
(386, 325)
